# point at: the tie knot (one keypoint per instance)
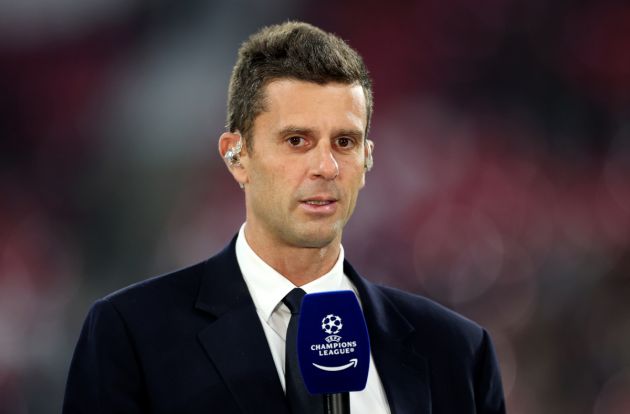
(293, 300)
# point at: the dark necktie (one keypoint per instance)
(300, 400)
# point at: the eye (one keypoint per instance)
(295, 141)
(345, 142)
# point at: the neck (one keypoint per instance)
(300, 265)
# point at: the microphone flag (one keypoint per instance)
(333, 343)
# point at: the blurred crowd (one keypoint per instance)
(501, 185)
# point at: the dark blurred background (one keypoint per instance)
(501, 185)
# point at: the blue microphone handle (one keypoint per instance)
(337, 403)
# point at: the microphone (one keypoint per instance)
(333, 347)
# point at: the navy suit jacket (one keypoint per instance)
(191, 342)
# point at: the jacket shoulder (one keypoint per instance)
(181, 283)
(433, 321)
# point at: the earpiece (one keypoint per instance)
(233, 155)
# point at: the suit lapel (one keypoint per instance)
(404, 373)
(235, 341)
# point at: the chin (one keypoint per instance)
(318, 238)
(312, 242)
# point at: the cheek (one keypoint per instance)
(262, 176)
(273, 183)
(355, 185)
(358, 174)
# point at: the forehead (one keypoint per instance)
(315, 106)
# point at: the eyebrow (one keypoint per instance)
(292, 129)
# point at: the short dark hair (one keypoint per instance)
(292, 50)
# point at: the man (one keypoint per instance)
(211, 337)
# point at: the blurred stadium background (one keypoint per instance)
(501, 185)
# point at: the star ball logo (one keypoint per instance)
(331, 324)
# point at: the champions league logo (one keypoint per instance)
(332, 324)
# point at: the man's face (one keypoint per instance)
(307, 164)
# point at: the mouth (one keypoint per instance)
(319, 202)
(320, 205)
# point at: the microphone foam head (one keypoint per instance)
(333, 343)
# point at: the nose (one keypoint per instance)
(325, 165)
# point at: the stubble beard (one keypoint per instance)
(318, 238)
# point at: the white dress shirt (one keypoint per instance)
(268, 287)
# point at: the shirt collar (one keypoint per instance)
(268, 287)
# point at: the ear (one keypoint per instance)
(232, 150)
(369, 150)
